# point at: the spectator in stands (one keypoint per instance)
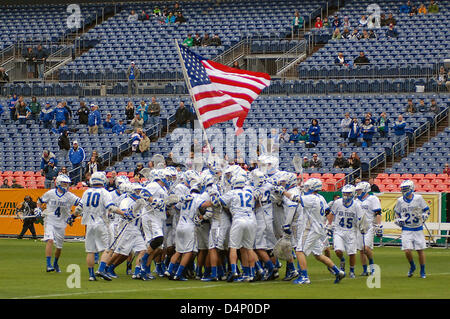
(297, 22)
(315, 162)
(92, 166)
(373, 187)
(157, 12)
(236, 65)
(189, 41)
(346, 34)
(314, 133)
(63, 171)
(422, 107)
(345, 125)
(355, 35)
(206, 41)
(446, 169)
(336, 18)
(94, 119)
(165, 12)
(413, 11)
(23, 112)
(284, 136)
(390, 20)
(391, 32)
(47, 115)
(69, 112)
(433, 7)
(111, 184)
(400, 133)
(434, 107)
(422, 9)
(355, 131)
(109, 123)
(304, 136)
(326, 23)
(4, 77)
(142, 109)
(383, 125)
(442, 76)
(64, 142)
(15, 184)
(5, 184)
(154, 110)
(368, 115)
(83, 114)
(406, 8)
(137, 122)
(368, 130)
(363, 22)
(61, 114)
(383, 20)
(129, 111)
(305, 162)
(447, 83)
(340, 60)
(12, 107)
(30, 59)
(361, 59)
(132, 76)
(340, 161)
(143, 16)
(137, 170)
(50, 172)
(365, 35)
(76, 155)
(197, 40)
(372, 34)
(346, 23)
(46, 157)
(353, 161)
(177, 7)
(61, 129)
(216, 41)
(180, 18)
(336, 24)
(318, 24)
(41, 56)
(144, 144)
(133, 17)
(410, 108)
(35, 108)
(170, 18)
(119, 128)
(135, 139)
(182, 115)
(336, 34)
(294, 136)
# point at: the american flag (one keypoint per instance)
(221, 93)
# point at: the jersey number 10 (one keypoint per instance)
(92, 199)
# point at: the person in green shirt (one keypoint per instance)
(304, 137)
(433, 7)
(35, 108)
(189, 42)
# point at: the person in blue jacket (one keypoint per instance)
(355, 131)
(76, 155)
(368, 130)
(119, 128)
(109, 122)
(61, 114)
(314, 132)
(47, 115)
(400, 133)
(12, 107)
(406, 8)
(94, 119)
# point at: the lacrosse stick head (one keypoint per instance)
(158, 159)
(298, 162)
(283, 248)
(145, 172)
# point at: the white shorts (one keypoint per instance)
(153, 226)
(277, 221)
(413, 240)
(169, 238)
(368, 239)
(243, 233)
(98, 238)
(130, 241)
(113, 231)
(185, 239)
(224, 232)
(345, 242)
(214, 232)
(55, 233)
(310, 242)
(265, 237)
(202, 234)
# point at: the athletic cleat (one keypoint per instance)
(276, 274)
(302, 281)
(411, 271)
(339, 277)
(56, 268)
(259, 275)
(93, 278)
(129, 271)
(232, 277)
(138, 276)
(269, 275)
(167, 274)
(147, 277)
(422, 275)
(210, 279)
(352, 275)
(248, 279)
(104, 275)
(181, 278)
(223, 278)
(291, 275)
(50, 269)
(112, 274)
(365, 273)
(239, 279)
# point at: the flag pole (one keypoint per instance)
(188, 84)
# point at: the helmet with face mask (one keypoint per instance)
(348, 193)
(407, 188)
(362, 189)
(258, 177)
(287, 180)
(62, 183)
(98, 179)
(313, 185)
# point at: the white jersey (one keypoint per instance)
(411, 211)
(95, 203)
(126, 205)
(266, 192)
(313, 213)
(290, 207)
(346, 219)
(370, 206)
(160, 192)
(240, 202)
(189, 210)
(216, 210)
(58, 206)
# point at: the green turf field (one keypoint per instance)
(22, 275)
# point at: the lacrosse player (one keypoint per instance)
(313, 233)
(371, 206)
(153, 222)
(240, 203)
(59, 204)
(411, 212)
(94, 206)
(347, 219)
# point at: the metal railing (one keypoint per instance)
(291, 58)
(347, 179)
(234, 53)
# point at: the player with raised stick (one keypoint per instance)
(59, 202)
(371, 206)
(411, 212)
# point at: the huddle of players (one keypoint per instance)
(221, 216)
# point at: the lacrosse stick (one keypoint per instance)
(158, 159)
(298, 165)
(283, 248)
(429, 234)
(145, 172)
